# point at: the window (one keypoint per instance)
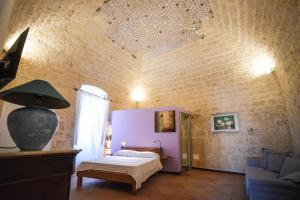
(90, 123)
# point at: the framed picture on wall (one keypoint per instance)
(165, 121)
(226, 122)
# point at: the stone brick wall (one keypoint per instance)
(215, 76)
(67, 46)
(288, 70)
(273, 25)
(289, 76)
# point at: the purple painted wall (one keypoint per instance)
(136, 128)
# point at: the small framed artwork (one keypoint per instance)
(165, 121)
(226, 122)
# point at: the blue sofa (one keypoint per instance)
(265, 184)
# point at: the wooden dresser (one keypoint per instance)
(36, 175)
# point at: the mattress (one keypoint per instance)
(139, 168)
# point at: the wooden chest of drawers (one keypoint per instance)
(38, 175)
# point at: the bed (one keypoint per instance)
(131, 165)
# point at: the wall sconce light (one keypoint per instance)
(138, 95)
(263, 64)
(123, 144)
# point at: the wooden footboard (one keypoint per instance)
(115, 176)
(108, 176)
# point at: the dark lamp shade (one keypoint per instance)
(35, 93)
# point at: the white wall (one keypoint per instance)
(6, 7)
(5, 139)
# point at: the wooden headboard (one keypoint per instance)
(151, 149)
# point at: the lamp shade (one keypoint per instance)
(35, 93)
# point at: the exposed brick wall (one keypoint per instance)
(67, 46)
(275, 26)
(214, 76)
(289, 76)
(288, 69)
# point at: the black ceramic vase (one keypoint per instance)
(32, 128)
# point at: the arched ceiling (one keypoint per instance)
(155, 26)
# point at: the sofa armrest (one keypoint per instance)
(275, 189)
(253, 161)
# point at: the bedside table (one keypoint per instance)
(164, 159)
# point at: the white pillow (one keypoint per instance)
(127, 153)
(146, 154)
(131, 153)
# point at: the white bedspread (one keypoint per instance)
(139, 168)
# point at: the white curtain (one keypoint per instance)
(90, 123)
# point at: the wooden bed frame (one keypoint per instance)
(115, 176)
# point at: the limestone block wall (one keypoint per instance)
(288, 70)
(273, 25)
(215, 75)
(67, 47)
(212, 76)
(289, 76)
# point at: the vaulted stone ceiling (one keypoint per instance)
(158, 26)
(155, 26)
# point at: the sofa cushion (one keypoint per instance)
(294, 177)
(290, 165)
(253, 161)
(276, 160)
(264, 158)
(258, 172)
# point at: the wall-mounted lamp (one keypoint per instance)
(138, 95)
(159, 143)
(123, 144)
(263, 64)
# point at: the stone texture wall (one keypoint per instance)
(273, 25)
(289, 76)
(215, 76)
(67, 47)
(288, 72)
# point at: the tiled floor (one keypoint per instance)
(191, 185)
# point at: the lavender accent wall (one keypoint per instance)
(136, 128)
